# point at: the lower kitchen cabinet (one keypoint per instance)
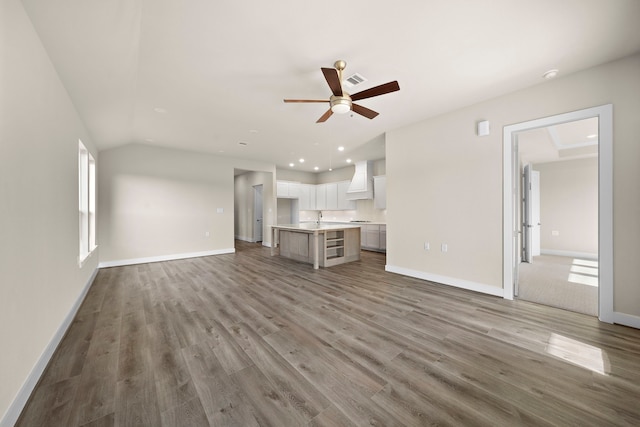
(373, 237)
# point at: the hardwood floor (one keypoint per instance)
(247, 339)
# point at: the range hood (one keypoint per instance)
(361, 186)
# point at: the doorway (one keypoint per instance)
(559, 216)
(257, 213)
(511, 194)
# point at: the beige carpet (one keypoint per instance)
(563, 282)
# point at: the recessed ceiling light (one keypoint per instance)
(291, 165)
(550, 74)
(341, 148)
(315, 168)
(301, 160)
(348, 160)
(220, 151)
(593, 135)
(149, 139)
(330, 169)
(160, 110)
(253, 131)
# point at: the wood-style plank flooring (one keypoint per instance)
(247, 339)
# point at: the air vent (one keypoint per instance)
(354, 80)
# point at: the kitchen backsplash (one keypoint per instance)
(364, 212)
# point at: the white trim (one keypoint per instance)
(626, 320)
(445, 280)
(244, 239)
(605, 200)
(18, 404)
(173, 257)
(572, 254)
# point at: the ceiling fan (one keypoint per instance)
(341, 102)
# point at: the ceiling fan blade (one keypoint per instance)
(363, 111)
(332, 78)
(305, 100)
(376, 91)
(325, 116)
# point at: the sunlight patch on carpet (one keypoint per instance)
(584, 272)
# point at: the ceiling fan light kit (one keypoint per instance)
(340, 104)
(340, 101)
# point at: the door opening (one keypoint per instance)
(257, 213)
(513, 217)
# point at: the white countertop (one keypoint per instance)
(328, 221)
(314, 226)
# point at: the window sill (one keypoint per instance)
(82, 261)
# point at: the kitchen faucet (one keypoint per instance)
(319, 216)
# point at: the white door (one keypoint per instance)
(531, 218)
(257, 213)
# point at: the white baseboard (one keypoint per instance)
(450, 281)
(245, 239)
(16, 407)
(132, 261)
(572, 254)
(626, 320)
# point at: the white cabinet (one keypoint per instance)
(343, 203)
(332, 196)
(321, 197)
(287, 189)
(380, 192)
(307, 197)
(327, 197)
(373, 237)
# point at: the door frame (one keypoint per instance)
(604, 113)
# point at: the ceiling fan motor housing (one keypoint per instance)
(340, 104)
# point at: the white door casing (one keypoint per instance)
(604, 113)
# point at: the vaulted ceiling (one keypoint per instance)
(210, 75)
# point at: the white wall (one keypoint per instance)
(444, 184)
(569, 206)
(158, 202)
(41, 283)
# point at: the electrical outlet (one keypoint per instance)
(444, 247)
(206, 234)
(426, 246)
(555, 233)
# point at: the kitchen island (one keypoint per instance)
(322, 245)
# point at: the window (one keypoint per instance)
(87, 201)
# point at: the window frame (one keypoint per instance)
(86, 203)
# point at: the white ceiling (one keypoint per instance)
(567, 141)
(221, 68)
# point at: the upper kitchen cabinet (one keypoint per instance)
(321, 197)
(287, 189)
(332, 196)
(380, 192)
(307, 197)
